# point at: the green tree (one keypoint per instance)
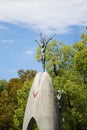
(2, 84)
(9, 101)
(26, 75)
(80, 58)
(74, 100)
(6, 111)
(22, 95)
(54, 57)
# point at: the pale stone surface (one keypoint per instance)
(41, 104)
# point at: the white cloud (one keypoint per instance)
(29, 52)
(6, 41)
(2, 27)
(49, 16)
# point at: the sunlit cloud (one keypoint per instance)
(29, 52)
(4, 28)
(48, 16)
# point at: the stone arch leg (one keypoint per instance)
(31, 124)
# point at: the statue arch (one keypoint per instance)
(32, 124)
(41, 104)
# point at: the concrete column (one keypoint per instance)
(41, 105)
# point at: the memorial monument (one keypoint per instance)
(41, 103)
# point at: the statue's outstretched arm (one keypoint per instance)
(37, 43)
(50, 39)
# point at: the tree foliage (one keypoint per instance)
(22, 95)
(80, 58)
(74, 100)
(9, 99)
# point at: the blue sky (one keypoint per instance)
(22, 21)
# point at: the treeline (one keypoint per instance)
(10, 99)
(67, 66)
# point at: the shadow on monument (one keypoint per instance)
(32, 125)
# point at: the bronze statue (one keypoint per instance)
(43, 44)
